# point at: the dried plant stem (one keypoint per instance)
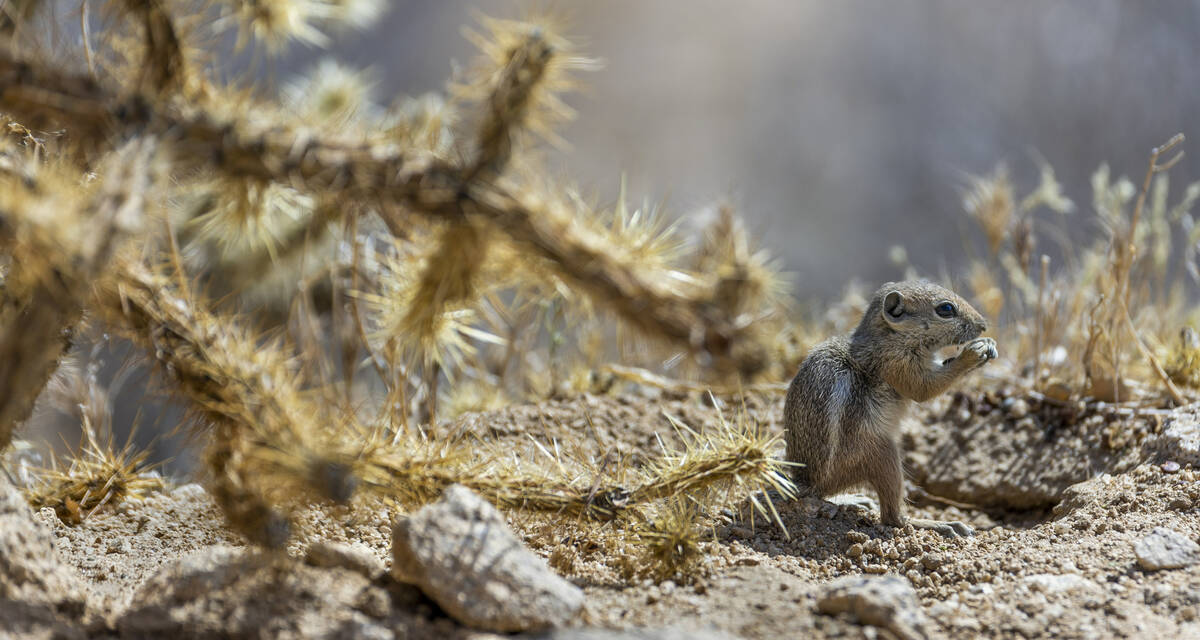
(85, 33)
(1154, 364)
(1122, 258)
(1153, 168)
(1127, 255)
(1039, 344)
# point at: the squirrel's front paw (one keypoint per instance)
(979, 351)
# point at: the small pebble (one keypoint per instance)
(119, 546)
(1170, 466)
(192, 491)
(1019, 409)
(1165, 548)
(857, 536)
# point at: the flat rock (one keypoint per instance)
(1179, 440)
(228, 592)
(355, 557)
(627, 634)
(888, 602)
(1165, 548)
(31, 571)
(462, 554)
(1060, 583)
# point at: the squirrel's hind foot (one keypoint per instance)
(856, 501)
(948, 528)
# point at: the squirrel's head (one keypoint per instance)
(921, 315)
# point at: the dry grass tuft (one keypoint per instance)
(1070, 328)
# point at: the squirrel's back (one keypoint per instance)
(829, 400)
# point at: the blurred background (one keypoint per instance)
(838, 129)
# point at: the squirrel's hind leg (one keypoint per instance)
(887, 478)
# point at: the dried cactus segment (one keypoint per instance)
(413, 470)
(331, 95)
(589, 259)
(522, 69)
(670, 541)
(422, 319)
(746, 280)
(60, 234)
(97, 475)
(740, 455)
(164, 67)
(244, 504)
(269, 444)
(277, 22)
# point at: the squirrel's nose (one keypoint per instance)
(982, 326)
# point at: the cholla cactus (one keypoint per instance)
(419, 238)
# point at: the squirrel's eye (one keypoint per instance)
(946, 310)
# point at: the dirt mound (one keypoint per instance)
(994, 450)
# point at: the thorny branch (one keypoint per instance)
(387, 175)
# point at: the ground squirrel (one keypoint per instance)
(844, 406)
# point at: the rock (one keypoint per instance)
(628, 634)
(1165, 548)
(31, 622)
(227, 592)
(1179, 440)
(191, 491)
(1018, 409)
(1051, 583)
(355, 557)
(460, 552)
(31, 571)
(888, 602)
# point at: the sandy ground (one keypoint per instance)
(1059, 496)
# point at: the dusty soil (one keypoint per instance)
(1059, 496)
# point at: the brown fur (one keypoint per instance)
(844, 406)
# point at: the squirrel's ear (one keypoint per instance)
(893, 305)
